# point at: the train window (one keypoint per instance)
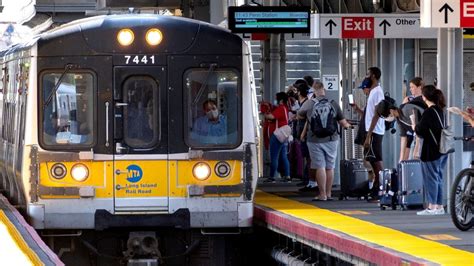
(141, 119)
(214, 107)
(68, 109)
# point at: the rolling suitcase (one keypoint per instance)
(354, 179)
(388, 188)
(410, 180)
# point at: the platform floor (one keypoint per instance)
(431, 239)
(19, 242)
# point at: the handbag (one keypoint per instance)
(446, 141)
(282, 133)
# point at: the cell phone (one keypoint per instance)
(351, 99)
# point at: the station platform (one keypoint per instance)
(359, 232)
(19, 242)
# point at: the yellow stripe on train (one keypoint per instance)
(132, 179)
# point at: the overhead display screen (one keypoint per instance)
(269, 19)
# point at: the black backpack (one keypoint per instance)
(323, 119)
(389, 125)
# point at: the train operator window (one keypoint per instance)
(141, 119)
(68, 109)
(214, 108)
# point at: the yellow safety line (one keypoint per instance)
(20, 242)
(367, 231)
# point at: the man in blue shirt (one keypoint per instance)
(212, 124)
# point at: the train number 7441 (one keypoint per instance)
(139, 59)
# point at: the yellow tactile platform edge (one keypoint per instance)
(20, 243)
(367, 231)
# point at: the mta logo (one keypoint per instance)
(135, 173)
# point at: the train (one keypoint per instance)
(99, 132)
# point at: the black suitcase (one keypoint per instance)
(388, 188)
(410, 180)
(354, 179)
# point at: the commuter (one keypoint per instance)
(432, 161)
(278, 150)
(466, 115)
(390, 112)
(295, 156)
(375, 127)
(308, 183)
(323, 116)
(407, 135)
(310, 81)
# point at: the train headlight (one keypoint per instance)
(201, 171)
(125, 37)
(222, 169)
(153, 37)
(79, 172)
(58, 171)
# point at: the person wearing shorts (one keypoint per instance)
(322, 151)
(375, 127)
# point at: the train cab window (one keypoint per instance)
(141, 119)
(68, 109)
(214, 107)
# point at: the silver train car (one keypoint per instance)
(130, 122)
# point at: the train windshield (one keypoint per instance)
(69, 117)
(214, 107)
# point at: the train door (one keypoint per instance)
(140, 139)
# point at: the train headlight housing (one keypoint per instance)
(125, 37)
(79, 172)
(222, 169)
(153, 37)
(58, 171)
(201, 171)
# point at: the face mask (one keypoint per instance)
(389, 119)
(275, 102)
(212, 114)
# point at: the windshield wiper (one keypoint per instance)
(203, 85)
(56, 86)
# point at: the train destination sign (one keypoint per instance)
(269, 19)
(373, 26)
(447, 14)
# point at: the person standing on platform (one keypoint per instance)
(323, 116)
(407, 135)
(278, 150)
(375, 127)
(432, 161)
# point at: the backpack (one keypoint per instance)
(323, 119)
(446, 141)
(389, 125)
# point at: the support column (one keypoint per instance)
(454, 94)
(329, 58)
(274, 64)
(282, 62)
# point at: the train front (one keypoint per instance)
(143, 122)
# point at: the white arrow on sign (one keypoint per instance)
(396, 26)
(440, 14)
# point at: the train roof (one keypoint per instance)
(97, 35)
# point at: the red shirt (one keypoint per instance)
(281, 118)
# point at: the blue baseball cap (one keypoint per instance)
(366, 83)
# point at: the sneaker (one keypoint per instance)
(427, 212)
(440, 211)
(269, 180)
(300, 184)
